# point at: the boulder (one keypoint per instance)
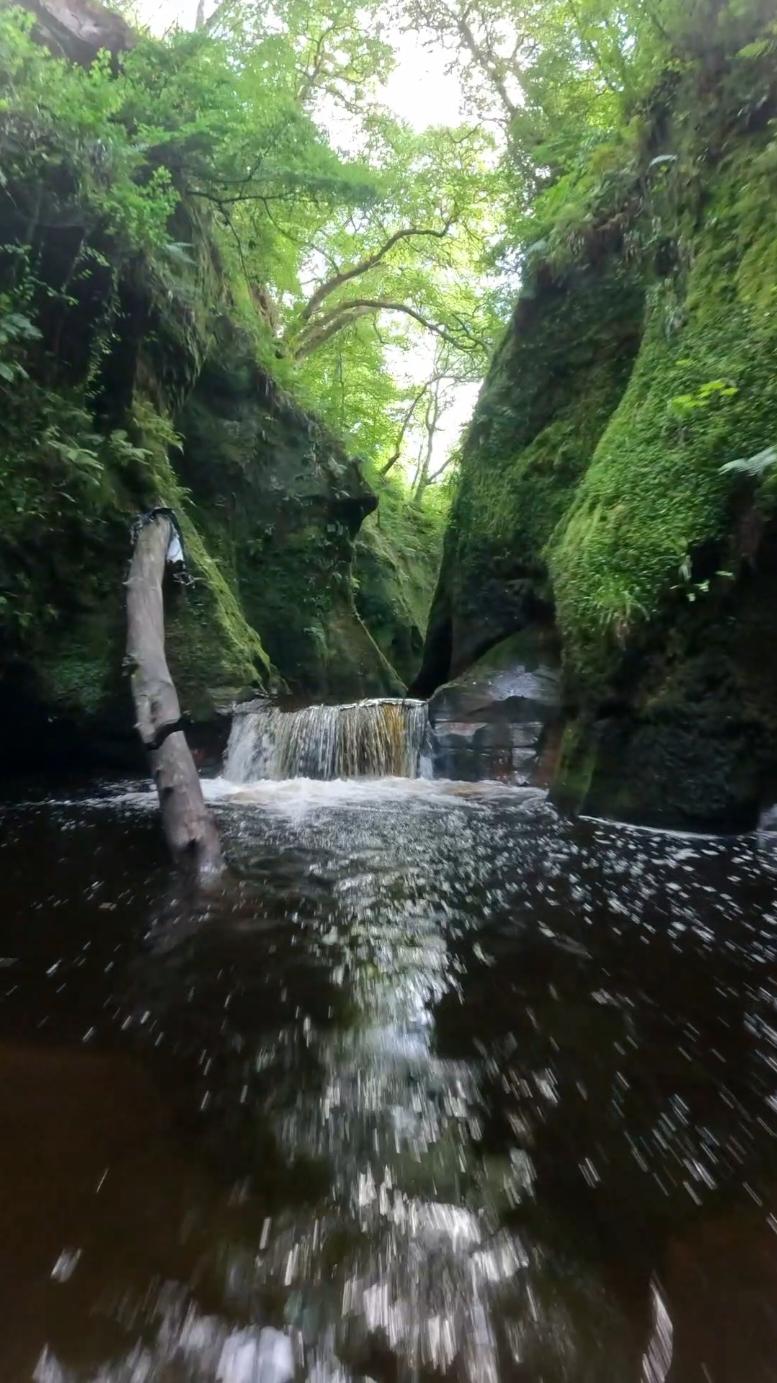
(498, 718)
(80, 29)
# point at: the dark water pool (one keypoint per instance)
(439, 1086)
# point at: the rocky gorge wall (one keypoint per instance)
(130, 380)
(592, 503)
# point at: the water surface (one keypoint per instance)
(438, 1086)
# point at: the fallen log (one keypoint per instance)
(188, 825)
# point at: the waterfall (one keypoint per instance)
(368, 739)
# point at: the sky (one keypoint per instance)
(419, 91)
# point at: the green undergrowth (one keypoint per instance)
(121, 297)
(68, 499)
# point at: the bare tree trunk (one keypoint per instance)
(187, 823)
(431, 421)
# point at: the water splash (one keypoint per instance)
(373, 1095)
(366, 739)
(657, 1361)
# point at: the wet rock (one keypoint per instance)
(496, 719)
(251, 1357)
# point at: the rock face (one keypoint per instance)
(642, 357)
(497, 720)
(78, 29)
(396, 561)
(284, 504)
(134, 386)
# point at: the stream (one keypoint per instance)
(438, 1085)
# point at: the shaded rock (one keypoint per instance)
(79, 30)
(688, 736)
(283, 503)
(496, 720)
(396, 561)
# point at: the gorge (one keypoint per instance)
(594, 509)
(463, 1069)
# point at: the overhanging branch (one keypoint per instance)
(369, 262)
(340, 317)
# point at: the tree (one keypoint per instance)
(359, 281)
(342, 264)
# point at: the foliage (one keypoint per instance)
(574, 85)
(16, 332)
(340, 265)
(639, 145)
(252, 167)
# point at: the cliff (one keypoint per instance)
(593, 503)
(131, 375)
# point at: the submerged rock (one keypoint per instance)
(249, 1356)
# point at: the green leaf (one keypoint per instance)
(758, 49)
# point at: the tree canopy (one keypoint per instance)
(375, 262)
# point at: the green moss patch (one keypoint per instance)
(703, 392)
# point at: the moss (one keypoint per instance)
(641, 358)
(549, 395)
(576, 766)
(592, 465)
(126, 341)
(691, 738)
(703, 392)
(279, 505)
(70, 627)
(396, 560)
(79, 674)
(210, 643)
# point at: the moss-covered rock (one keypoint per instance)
(688, 737)
(396, 561)
(641, 358)
(280, 505)
(131, 385)
(703, 391)
(554, 383)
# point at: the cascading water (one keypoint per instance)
(367, 739)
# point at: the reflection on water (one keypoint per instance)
(438, 1087)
